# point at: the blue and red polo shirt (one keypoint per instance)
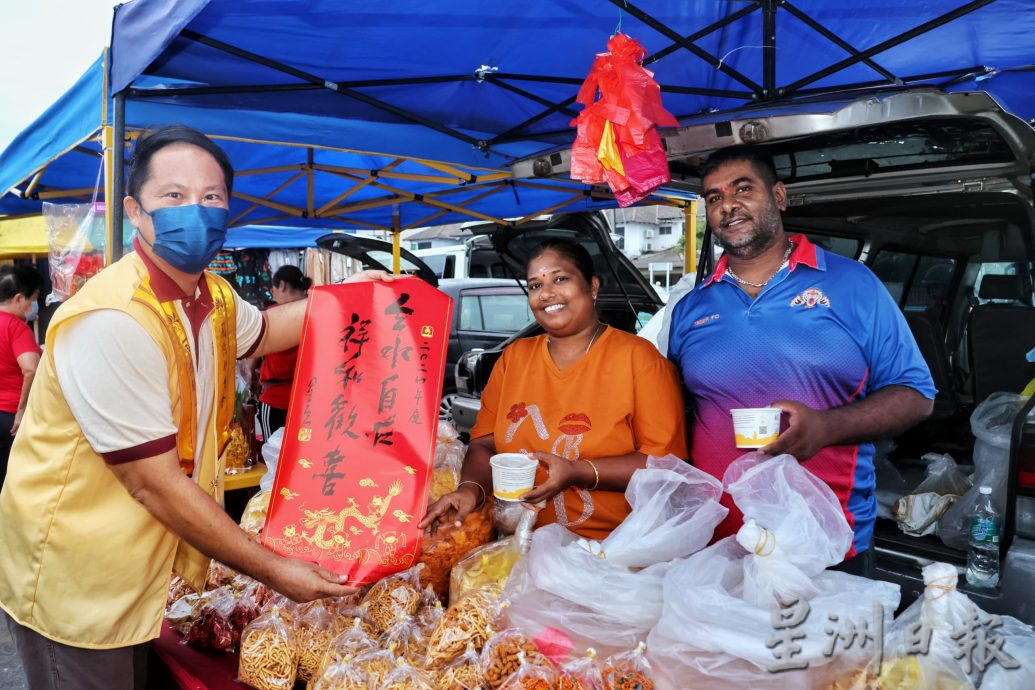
(824, 331)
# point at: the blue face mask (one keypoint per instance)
(188, 237)
(34, 312)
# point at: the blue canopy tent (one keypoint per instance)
(292, 169)
(480, 84)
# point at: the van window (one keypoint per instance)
(845, 246)
(917, 283)
(997, 268)
(505, 313)
(494, 313)
(470, 314)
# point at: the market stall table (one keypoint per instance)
(187, 668)
(245, 480)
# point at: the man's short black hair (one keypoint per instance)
(758, 157)
(154, 141)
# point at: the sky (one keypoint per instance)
(45, 45)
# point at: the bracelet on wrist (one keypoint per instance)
(480, 488)
(596, 474)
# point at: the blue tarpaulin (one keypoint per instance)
(478, 84)
(465, 63)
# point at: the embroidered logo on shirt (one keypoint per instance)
(707, 319)
(811, 298)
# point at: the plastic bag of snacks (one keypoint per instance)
(254, 516)
(408, 640)
(346, 645)
(211, 627)
(462, 673)
(628, 671)
(466, 622)
(772, 570)
(450, 545)
(341, 674)
(487, 565)
(429, 617)
(407, 677)
(183, 611)
(377, 664)
(491, 564)
(449, 460)
(347, 615)
(220, 615)
(949, 614)
(219, 575)
(531, 676)
(394, 598)
(178, 588)
(314, 633)
(581, 673)
(501, 658)
(268, 658)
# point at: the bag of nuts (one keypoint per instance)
(505, 653)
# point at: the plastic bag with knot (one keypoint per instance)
(617, 596)
(749, 589)
(962, 650)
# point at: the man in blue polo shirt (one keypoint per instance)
(783, 323)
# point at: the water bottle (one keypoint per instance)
(983, 554)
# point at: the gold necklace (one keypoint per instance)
(783, 262)
(592, 340)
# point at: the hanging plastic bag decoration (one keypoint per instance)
(617, 139)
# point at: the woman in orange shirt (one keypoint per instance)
(590, 402)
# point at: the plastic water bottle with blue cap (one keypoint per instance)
(983, 553)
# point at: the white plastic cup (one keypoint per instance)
(756, 427)
(513, 475)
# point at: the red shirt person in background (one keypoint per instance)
(278, 368)
(19, 354)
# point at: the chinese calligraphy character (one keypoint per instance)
(330, 472)
(972, 637)
(355, 334)
(336, 419)
(849, 633)
(387, 399)
(307, 411)
(348, 374)
(783, 645)
(384, 438)
(399, 311)
(917, 638)
(396, 352)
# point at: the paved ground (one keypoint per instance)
(11, 677)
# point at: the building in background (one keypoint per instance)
(645, 229)
(437, 236)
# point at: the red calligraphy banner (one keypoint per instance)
(355, 467)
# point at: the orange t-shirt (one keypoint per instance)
(622, 397)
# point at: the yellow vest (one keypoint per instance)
(82, 562)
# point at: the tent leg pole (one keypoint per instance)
(690, 241)
(118, 184)
(396, 241)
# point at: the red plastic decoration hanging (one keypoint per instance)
(617, 138)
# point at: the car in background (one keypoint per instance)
(626, 299)
(486, 312)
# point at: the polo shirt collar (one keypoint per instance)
(804, 253)
(165, 288)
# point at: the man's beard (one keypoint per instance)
(766, 226)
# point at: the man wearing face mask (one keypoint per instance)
(114, 480)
